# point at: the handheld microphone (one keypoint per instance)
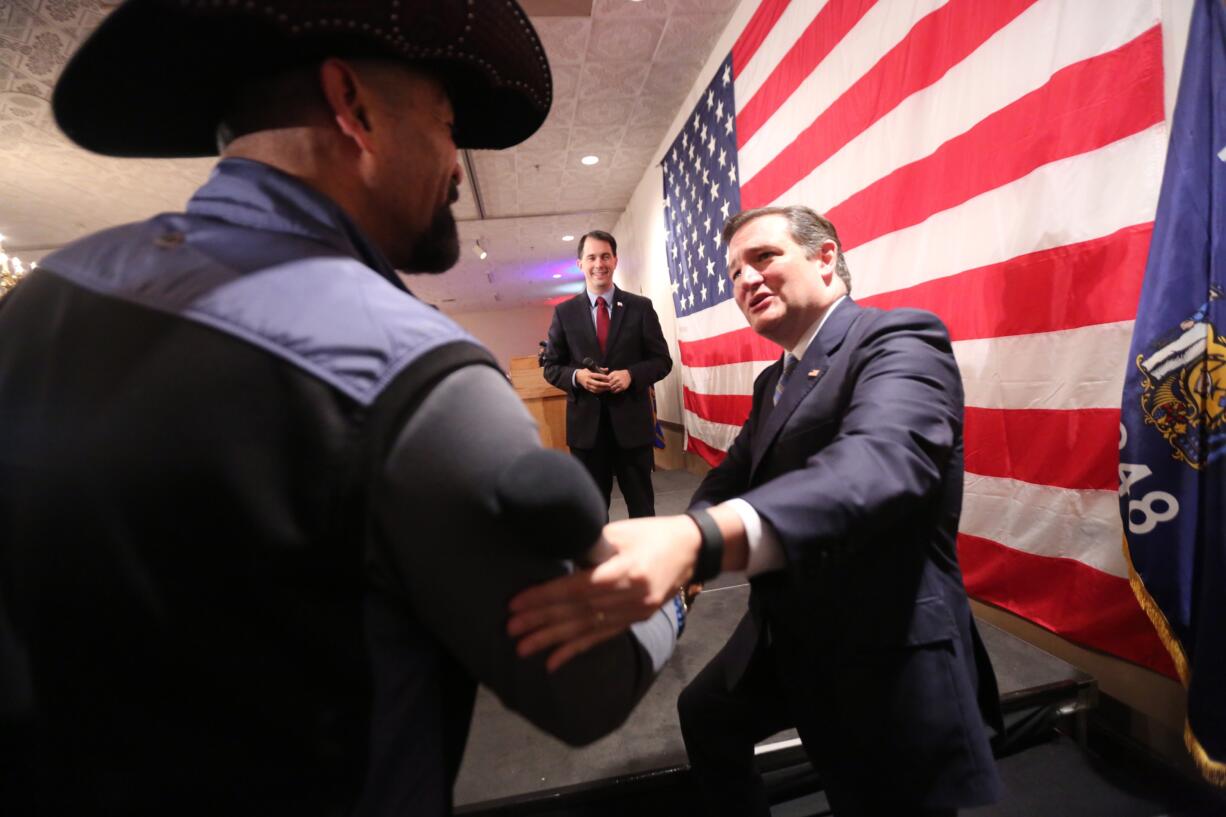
(550, 501)
(591, 366)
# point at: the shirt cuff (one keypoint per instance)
(658, 635)
(765, 551)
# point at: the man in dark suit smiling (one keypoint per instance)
(605, 350)
(840, 499)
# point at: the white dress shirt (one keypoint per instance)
(765, 552)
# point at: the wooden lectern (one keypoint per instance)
(546, 404)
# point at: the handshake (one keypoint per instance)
(636, 565)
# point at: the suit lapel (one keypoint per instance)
(616, 310)
(809, 372)
(587, 327)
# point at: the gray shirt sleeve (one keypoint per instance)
(438, 522)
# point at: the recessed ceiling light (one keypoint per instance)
(568, 238)
(557, 275)
(590, 160)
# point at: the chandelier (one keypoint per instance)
(11, 270)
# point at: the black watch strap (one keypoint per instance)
(711, 552)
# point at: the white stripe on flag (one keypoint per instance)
(1050, 207)
(1070, 369)
(996, 74)
(879, 30)
(716, 435)
(729, 378)
(788, 28)
(725, 316)
(1046, 521)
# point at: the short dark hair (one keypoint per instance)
(599, 235)
(808, 228)
(290, 97)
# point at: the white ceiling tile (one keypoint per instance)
(608, 113)
(598, 140)
(626, 159)
(561, 114)
(501, 203)
(526, 160)
(565, 80)
(490, 164)
(689, 38)
(535, 181)
(629, 8)
(465, 209)
(548, 138)
(662, 8)
(542, 201)
(716, 9)
(671, 80)
(601, 81)
(653, 114)
(642, 137)
(618, 40)
(565, 38)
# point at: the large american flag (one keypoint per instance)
(997, 163)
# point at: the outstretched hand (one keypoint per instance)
(652, 558)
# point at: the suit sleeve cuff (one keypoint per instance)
(658, 634)
(765, 551)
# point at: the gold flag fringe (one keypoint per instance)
(1213, 771)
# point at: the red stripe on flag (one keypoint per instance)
(1105, 615)
(1067, 449)
(825, 32)
(729, 409)
(755, 32)
(712, 455)
(738, 346)
(1092, 282)
(1085, 106)
(936, 43)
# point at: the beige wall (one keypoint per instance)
(508, 333)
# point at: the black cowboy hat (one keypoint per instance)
(157, 76)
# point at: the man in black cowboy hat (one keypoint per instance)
(254, 547)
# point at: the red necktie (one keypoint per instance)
(602, 323)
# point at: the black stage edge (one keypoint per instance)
(643, 765)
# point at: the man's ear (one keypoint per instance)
(828, 254)
(348, 98)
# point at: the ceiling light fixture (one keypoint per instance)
(11, 270)
(590, 159)
(559, 275)
(477, 248)
(568, 238)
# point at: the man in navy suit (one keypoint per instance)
(840, 499)
(605, 350)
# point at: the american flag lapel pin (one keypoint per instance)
(814, 373)
(619, 303)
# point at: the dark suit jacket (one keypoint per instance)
(859, 471)
(635, 343)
